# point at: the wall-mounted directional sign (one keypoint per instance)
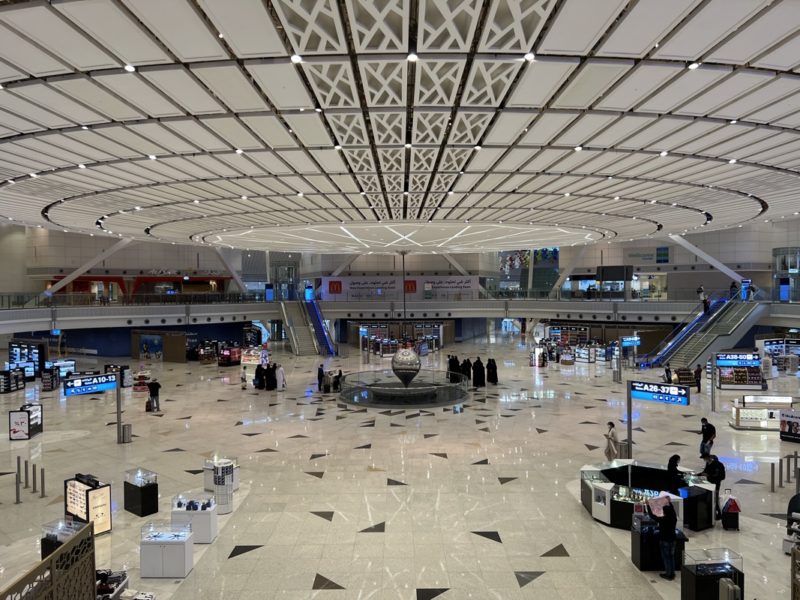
(90, 384)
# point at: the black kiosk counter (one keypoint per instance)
(611, 492)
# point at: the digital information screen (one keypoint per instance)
(91, 384)
(631, 341)
(664, 393)
(738, 359)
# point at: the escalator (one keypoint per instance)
(298, 330)
(683, 332)
(324, 341)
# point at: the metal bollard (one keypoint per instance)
(795, 461)
(43, 495)
(771, 477)
(26, 474)
(19, 465)
(16, 485)
(788, 468)
(33, 473)
(797, 481)
(780, 472)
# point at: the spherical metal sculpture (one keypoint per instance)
(405, 365)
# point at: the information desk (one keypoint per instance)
(609, 498)
(88, 499)
(25, 423)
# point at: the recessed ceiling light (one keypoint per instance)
(412, 57)
(796, 213)
(616, 197)
(81, 166)
(652, 201)
(363, 193)
(732, 161)
(300, 194)
(152, 156)
(243, 197)
(296, 58)
(337, 147)
(239, 151)
(566, 194)
(33, 175)
(130, 68)
(196, 201)
(578, 148)
(477, 147)
(408, 145)
(137, 208)
(1, 86)
(693, 66)
(220, 36)
(529, 56)
(318, 109)
(733, 121)
(10, 181)
(663, 153)
(84, 127)
(450, 193)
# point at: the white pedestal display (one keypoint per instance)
(203, 523)
(208, 476)
(165, 552)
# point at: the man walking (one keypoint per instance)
(320, 377)
(709, 432)
(667, 373)
(153, 387)
(715, 473)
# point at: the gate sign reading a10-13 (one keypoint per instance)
(90, 384)
(665, 393)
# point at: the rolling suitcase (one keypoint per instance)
(148, 406)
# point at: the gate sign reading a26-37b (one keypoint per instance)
(666, 393)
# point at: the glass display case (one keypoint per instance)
(166, 550)
(56, 533)
(141, 492)
(703, 568)
(198, 509)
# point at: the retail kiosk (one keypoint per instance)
(141, 492)
(759, 413)
(739, 371)
(26, 422)
(86, 498)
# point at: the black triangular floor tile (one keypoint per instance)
(316, 456)
(590, 447)
(154, 415)
(486, 429)
(251, 434)
(194, 471)
(748, 482)
(779, 516)
(639, 429)
(395, 425)
(323, 583)
(239, 423)
(541, 430)
(505, 480)
(266, 450)
(340, 417)
(364, 447)
(411, 416)
(588, 423)
(557, 551)
(111, 423)
(175, 450)
(674, 444)
(368, 424)
(525, 577)
(238, 550)
(394, 482)
(439, 454)
(430, 593)
(7, 473)
(327, 514)
(294, 437)
(429, 435)
(479, 422)
(485, 461)
(489, 535)
(317, 474)
(379, 528)
(183, 418)
(314, 419)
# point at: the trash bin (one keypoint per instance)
(624, 450)
(127, 433)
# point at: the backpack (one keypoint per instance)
(718, 474)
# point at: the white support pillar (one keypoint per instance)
(231, 270)
(567, 270)
(531, 254)
(346, 263)
(104, 254)
(721, 267)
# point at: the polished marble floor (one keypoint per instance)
(340, 502)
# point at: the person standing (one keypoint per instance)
(258, 382)
(734, 289)
(675, 479)
(271, 378)
(714, 471)
(466, 369)
(667, 373)
(153, 387)
(698, 375)
(478, 374)
(701, 293)
(491, 371)
(243, 377)
(709, 433)
(320, 377)
(612, 442)
(706, 305)
(667, 523)
(281, 377)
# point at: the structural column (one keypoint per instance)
(701, 254)
(567, 271)
(231, 270)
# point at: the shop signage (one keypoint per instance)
(738, 359)
(392, 288)
(790, 425)
(659, 392)
(630, 341)
(91, 384)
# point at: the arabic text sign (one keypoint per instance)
(664, 393)
(738, 359)
(91, 384)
